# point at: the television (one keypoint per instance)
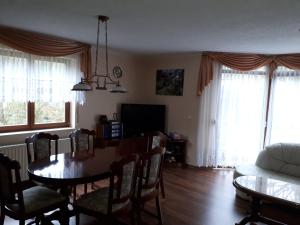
(140, 118)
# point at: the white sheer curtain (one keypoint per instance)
(284, 119)
(232, 118)
(209, 106)
(25, 77)
(241, 116)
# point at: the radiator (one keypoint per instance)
(19, 153)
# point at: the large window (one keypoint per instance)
(254, 112)
(241, 115)
(35, 91)
(284, 109)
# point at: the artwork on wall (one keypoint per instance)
(169, 82)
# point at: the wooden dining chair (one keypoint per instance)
(158, 139)
(39, 147)
(41, 143)
(82, 140)
(25, 204)
(111, 201)
(148, 181)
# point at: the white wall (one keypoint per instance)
(182, 111)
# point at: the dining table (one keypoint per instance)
(67, 170)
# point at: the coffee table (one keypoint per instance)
(266, 189)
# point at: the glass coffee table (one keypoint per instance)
(266, 189)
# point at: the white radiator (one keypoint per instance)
(19, 153)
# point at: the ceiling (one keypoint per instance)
(164, 26)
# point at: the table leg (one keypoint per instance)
(63, 214)
(255, 215)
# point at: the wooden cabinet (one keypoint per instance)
(108, 134)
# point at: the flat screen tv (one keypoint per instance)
(140, 118)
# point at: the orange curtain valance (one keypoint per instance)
(46, 45)
(242, 62)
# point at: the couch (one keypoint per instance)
(279, 161)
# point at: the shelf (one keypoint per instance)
(176, 151)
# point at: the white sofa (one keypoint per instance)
(279, 161)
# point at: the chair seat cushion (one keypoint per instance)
(144, 192)
(37, 198)
(97, 201)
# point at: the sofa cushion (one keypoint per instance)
(282, 157)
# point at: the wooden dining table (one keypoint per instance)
(68, 169)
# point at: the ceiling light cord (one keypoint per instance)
(106, 48)
(85, 84)
(97, 47)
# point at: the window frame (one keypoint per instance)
(31, 123)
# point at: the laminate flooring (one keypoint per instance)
(199, 197)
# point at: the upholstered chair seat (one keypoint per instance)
(144, 192)
(97, 201)
(36, 199)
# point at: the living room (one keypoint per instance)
(144, 37)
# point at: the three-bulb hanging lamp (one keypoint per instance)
(102, 80)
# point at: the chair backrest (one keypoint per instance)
(134, 145)
(10, 171)
(122, 189)
(150, 170)
(156, 139)
(82, 140)
(41, 143)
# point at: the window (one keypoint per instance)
(284, 110)
(241, 115)
(35, 90)
(241, 112)
(245, 118)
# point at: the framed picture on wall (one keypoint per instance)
(170, 82)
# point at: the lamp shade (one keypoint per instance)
(118, 89)
(82, 87)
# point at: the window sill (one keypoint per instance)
(18, 137)
(36, 131)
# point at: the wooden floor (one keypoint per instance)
(201, 197)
